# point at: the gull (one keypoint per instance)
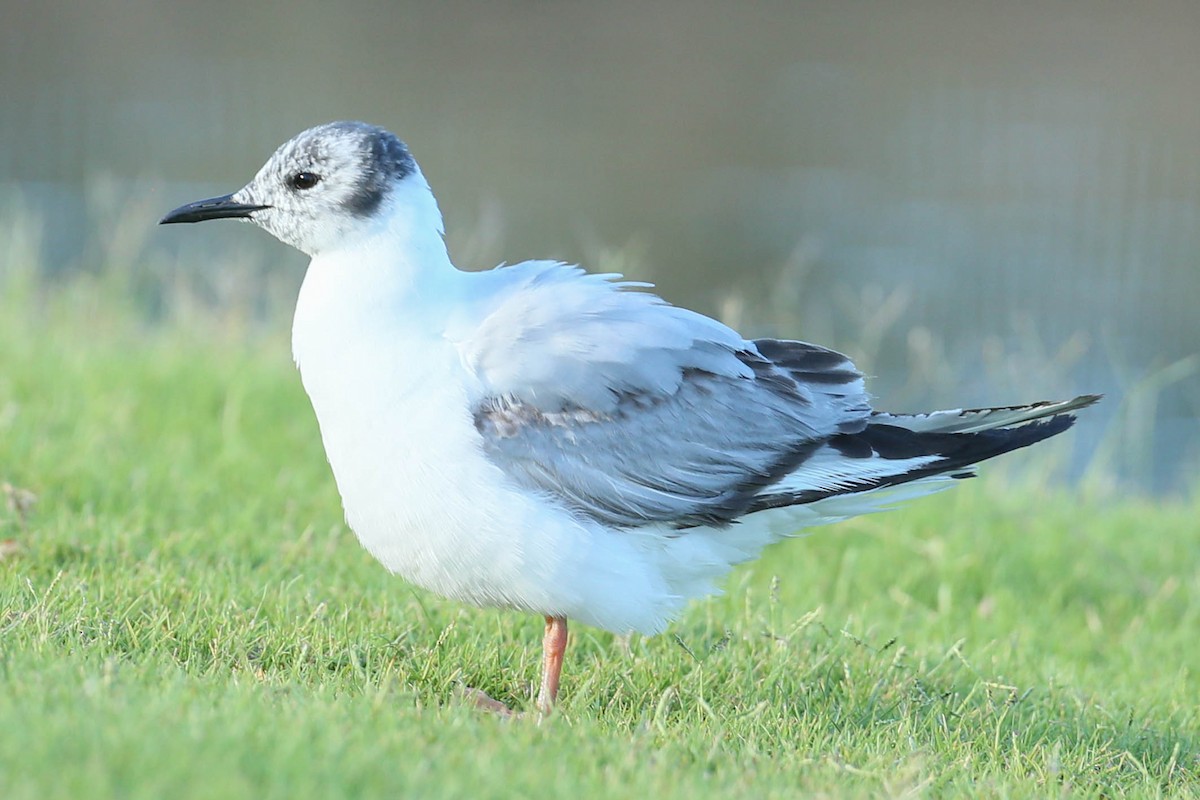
(535, 437)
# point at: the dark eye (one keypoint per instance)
(304, 180)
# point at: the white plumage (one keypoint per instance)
(538, 438)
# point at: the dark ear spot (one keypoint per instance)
(365, 199)
(386, 161)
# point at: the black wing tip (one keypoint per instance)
(959, 453)
(958, 449)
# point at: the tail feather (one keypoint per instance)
(972, 420)
(896, 449)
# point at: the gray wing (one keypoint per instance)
(697, 456)
(629, 410)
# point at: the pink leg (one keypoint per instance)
(554, 645)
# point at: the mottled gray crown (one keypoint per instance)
(382, 159)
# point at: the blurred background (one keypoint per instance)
(981, 203)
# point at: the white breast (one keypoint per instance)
(393, 422)
(394, 403)
(390, 395)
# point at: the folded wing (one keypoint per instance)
(631, 411)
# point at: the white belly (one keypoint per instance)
(393, 403)
(398, 440)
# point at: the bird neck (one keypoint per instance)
(401, 252)
(408, 235)
(391, 284)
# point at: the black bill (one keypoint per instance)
(214, 208)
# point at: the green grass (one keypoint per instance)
(184, 614)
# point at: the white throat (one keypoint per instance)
(364, 302)
(375, 273)
(381, 375)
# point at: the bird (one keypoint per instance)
(564, 443)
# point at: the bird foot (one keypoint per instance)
(554, 644)
(485, 702)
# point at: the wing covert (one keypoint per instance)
(631, 411)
